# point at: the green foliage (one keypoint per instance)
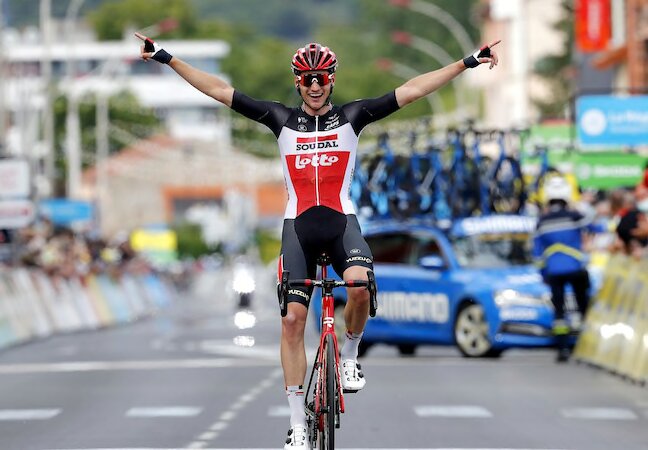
(111, 19)
(268, 244)
(190, 241)
(554, 70)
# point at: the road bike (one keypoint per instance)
(324, 397)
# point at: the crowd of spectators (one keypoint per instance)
(624, 214)
(61, 251)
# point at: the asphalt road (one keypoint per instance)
(191, 378)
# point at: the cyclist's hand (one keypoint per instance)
(151, 50)
(483, 56)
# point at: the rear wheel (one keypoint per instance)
(471, 332)
(328, 399)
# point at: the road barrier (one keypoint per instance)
(615, 331)
(34, 305)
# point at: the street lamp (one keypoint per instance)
(443, 17)
(406, 72)
(437, 53)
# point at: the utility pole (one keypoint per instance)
(46, 71)
(101, 159)
(72, 125)
(3, 110)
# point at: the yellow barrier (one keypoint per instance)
(615, 332)
(589, 341)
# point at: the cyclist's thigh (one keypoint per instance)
(293, 258)
(350, 248)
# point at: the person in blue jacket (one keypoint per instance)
(558, 252)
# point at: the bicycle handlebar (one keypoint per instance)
(285, 284)
(334, 283)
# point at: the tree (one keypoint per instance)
(556, 70)
(111, 19)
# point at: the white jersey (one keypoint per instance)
(318, 153)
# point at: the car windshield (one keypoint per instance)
(493, 250)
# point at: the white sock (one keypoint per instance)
(350, 347)
(295, 396)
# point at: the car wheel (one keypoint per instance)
(406, 349)
(363, 348)
(471, 332)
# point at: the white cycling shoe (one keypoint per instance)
(297, 438)
(352, 377)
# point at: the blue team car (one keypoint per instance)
(473, 286)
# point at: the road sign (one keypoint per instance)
(16, 213)
(14, 178)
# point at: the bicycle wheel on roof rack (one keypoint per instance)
(507, 191)
(464, 188)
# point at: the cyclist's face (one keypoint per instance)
(315, 87)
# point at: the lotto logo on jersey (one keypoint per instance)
(321, 160)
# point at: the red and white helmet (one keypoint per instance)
(314, 57)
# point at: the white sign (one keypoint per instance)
(413, 306)
(14, 178)
(16, 213)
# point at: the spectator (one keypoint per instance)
(632, 229)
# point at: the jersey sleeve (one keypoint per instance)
(271, 114)
(361, 113)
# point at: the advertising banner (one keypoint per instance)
(606, 120)
(62, 211)
(608, 171)
(593, 25)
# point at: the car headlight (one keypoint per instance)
(511, 297)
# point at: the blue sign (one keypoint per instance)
(66, 212)
(605, 120)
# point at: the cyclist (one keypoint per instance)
(318, 142)
(558, 250)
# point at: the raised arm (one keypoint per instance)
(206, 83)
(424, 84)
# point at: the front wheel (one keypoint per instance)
(471, 332)
(328, 400)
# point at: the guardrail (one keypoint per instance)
(34, 305)
(615, 332)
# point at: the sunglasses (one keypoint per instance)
(322, 79)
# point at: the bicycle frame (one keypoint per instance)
(319, 380)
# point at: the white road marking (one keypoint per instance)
(28, 414)
(458, 411)
(227, 416)
(267, 357)
(90, 366)
(170, 411)
(198, 445)
(599, 413)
